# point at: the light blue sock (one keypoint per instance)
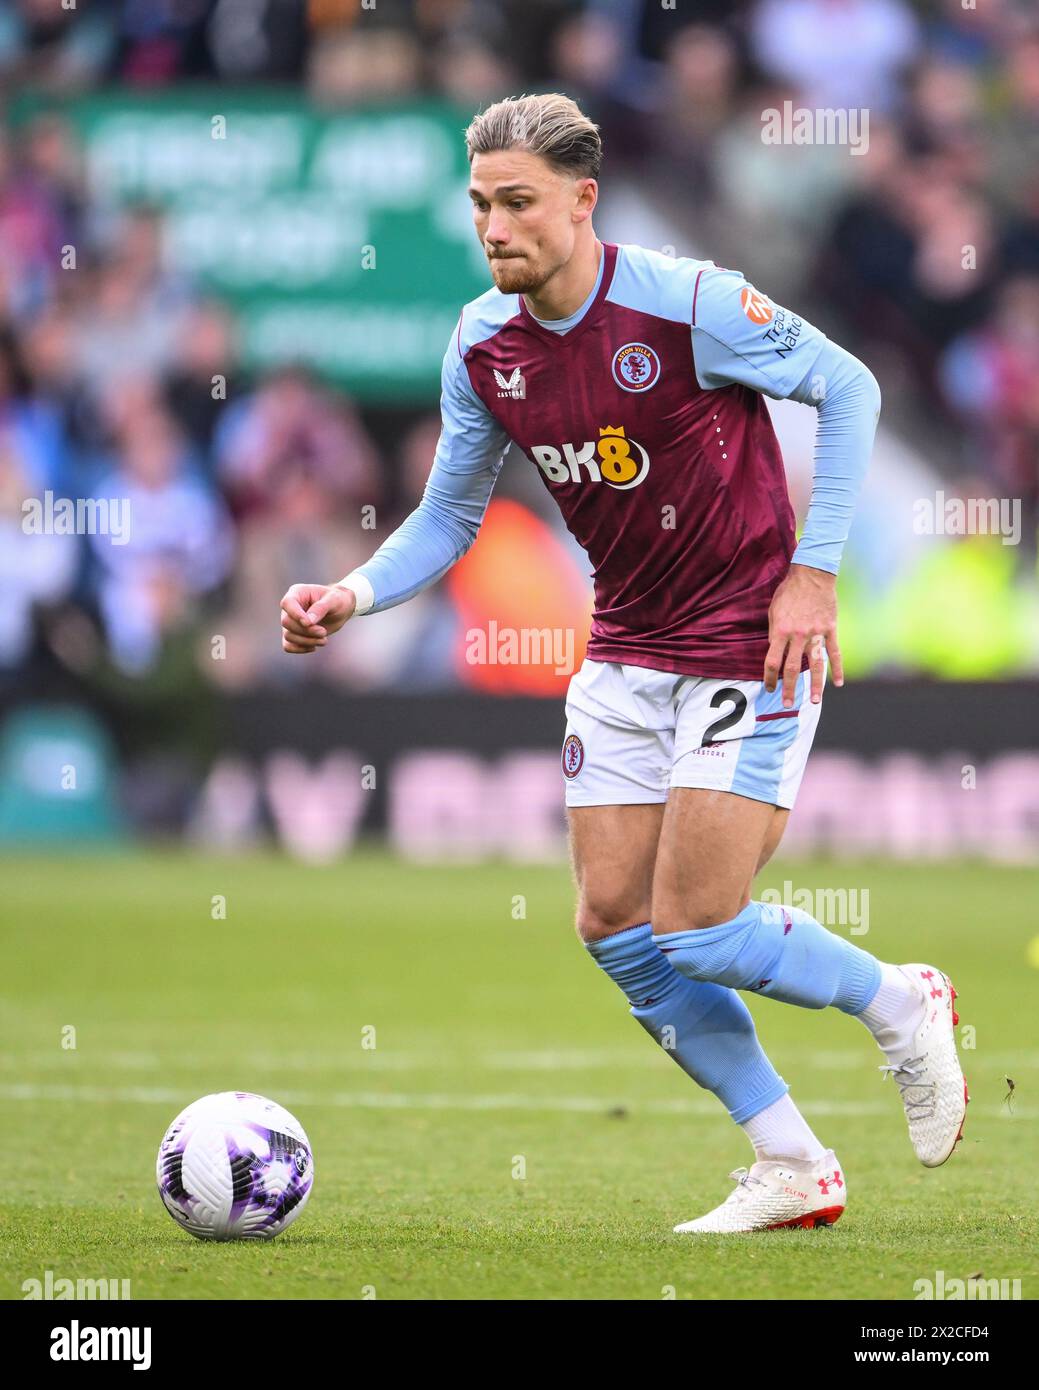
(708, 1030)
(780, 952)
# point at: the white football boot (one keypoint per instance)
(775, 1193)
(934, 1091)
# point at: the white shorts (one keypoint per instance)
(632, 733)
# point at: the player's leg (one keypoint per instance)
(773, 835)
(711, 843)
(704, 919)
(705, 1028)
(616, 764)
(895, 1012)
(612, 853)
(616, 761)
(728, 777)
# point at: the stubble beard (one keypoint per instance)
(519, 275)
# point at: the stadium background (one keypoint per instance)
(234, 241)
(234, 244)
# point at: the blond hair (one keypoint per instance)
(550, 125)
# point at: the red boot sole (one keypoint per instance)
(826, 1216)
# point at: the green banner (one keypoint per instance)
(343, 239)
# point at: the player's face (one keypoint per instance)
(526, 215)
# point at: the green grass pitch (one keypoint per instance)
(513, 1133)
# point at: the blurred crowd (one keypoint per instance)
(921, 255)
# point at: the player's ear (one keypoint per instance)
(587, 197)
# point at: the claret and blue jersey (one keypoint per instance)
(643, 416)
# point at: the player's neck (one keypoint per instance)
(567, 290)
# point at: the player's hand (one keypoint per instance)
(803, 609)
(310, 613)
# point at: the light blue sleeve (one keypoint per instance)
(443, 526)
(740, 336)
(846, 394)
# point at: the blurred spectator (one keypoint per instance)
(36, 221)
(56, 46)
(910, 260)
(49, 344)
(202, 378)
(293, 433)
(952, 266)
(348, 67)
(991, 382)
(130, 319)
(972, 34)
(410, 648)
(1012, 151)
(776, 186)
(277, 548)
(34, 567)
(161, 41)
(30, 433)
(470, 72)
(837, 53)
(700, 94)
(589, 63)
(180, 544)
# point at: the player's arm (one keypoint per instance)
(435, 536)
(740, 336)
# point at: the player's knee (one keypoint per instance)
(601, 914)
(704, 908)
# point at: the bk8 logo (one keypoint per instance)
(614, 459)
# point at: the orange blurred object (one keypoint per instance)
(524, 603)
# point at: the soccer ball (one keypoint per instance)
(234, 1166)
